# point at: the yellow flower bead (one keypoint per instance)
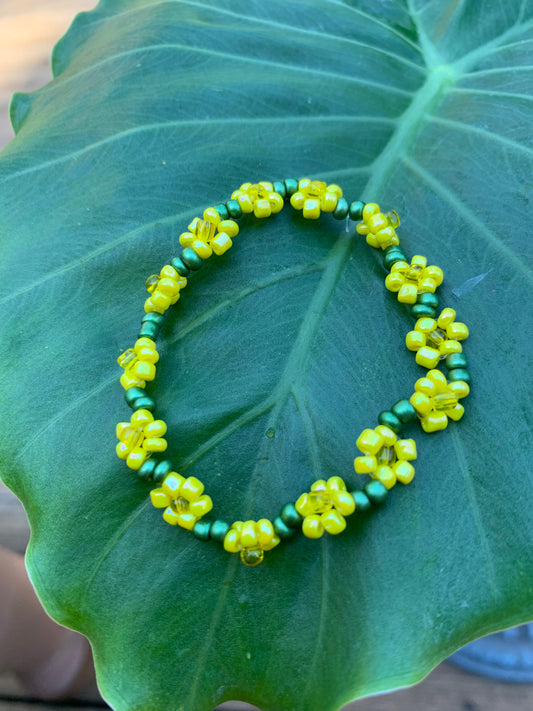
(385, 457)
(183, 500)
(210, 234)
(314, 197)
(434, 339)
(379, 228)
(138, 363)
(409, 280)
(164, 289)
(435, 400)
(324, 507)
(251, 539)
(139, 437)
(259, 198)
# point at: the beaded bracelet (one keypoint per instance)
(436, 339)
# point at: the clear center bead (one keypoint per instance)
(181, 505)
(152, 282)
(413, 273)
(386, 456)
(252, 556)
(205, 230)
(316, 189)
(435, 339)
(320, 501)
(133, 437)
(444, 401)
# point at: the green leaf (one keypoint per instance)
(158, 110)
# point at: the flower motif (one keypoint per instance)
(138, 363)
(259, 198)
(210, 234)
(140, 437)
(379, 227)
(183, 499)
(325, 507)
(313, 196)
(385, 457)
(436, 400)
(409, 280)
(434, 339)
(251, 539)
(164, 289)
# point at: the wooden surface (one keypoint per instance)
(28, 30)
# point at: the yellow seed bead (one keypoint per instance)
(186, 239)
(459, 388)
(333, 522)
(122, 450)
(171, 516)
(456, 413)
(221, 244)
(371, 208)
(319, 485)
(407, 293)
(141, 417)
(303, 505)
(404, 472)
(136, 459)
(157, 428)
(276, 202)
(202, 249)
(297, 200)
(450, 347)
(144, 371)
(386, 434)
(405, 449)
(155, 444)
(249, 535)
(159, 499)
(369, 441)
(160, 301)
(267, 536)
(262, 208)
(421, 403)
(344, 503)
(434, 422)
(187, 521)
(329, 202)
(335, 483)
(458, 331)
(419, 261)
(415, 340)
(230, 227)
(311, 209)
(365, 465)
(434, 273)
(231, 541)
(426, 386)
(168, 287)
(446, 317)
(192, 488)
(172, 484)
(201, 506)
(427, 357)
(394, 281)
(386, 476)
(312, 527)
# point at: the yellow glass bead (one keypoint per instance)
(171, 516)
(458, 331)
(249, 536)
(335, 483)
(172, 484)
(371, 208)
(201, 506)
(407, 294)
(386, 476)
(344, 503)
(365, 465)
(405, 449)
(394, 280)
(459, 388)
(152, 282)
(387, 435)
(267, 536)
(427, 357)
(192, 488)
(312, 527)
(202, 249)
(369, 441)
(404, 472)
(456, 413)
(181, 505)
(333, 522)
(297, 201)
(393, 218)
(159, 499)
(415, 340)
(187, 521)
(155, 428)
(311, 209)
(144, 371)
(385, 455)
(127, 358)
(434, 422)
(155, 444)
(231, 539)
(221, 244)
(136, 459)
(421, 403)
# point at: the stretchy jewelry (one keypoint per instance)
(385, 457)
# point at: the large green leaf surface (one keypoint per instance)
(281, 351)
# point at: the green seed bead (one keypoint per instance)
(291, 186)
(182, 269)
(153, 317)
(202, 529)
(133, 394)
(356, 210)
(419, 310)
(222, 211)
(147, 469)
(218, 530)
(162, 469)
(376, 491)
(428, 299)
(404, 411)
(149, 330)
(391, 255)
(281, 529)
(362, 502)
(390, 420)
(290, 516)
(455, 360)
(342, 209)
(191, 259)
(144, 403)
(279, 187)
(459, 374)
(234, 209)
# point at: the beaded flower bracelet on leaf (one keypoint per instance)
(386, 458)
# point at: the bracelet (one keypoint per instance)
(387, 459)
